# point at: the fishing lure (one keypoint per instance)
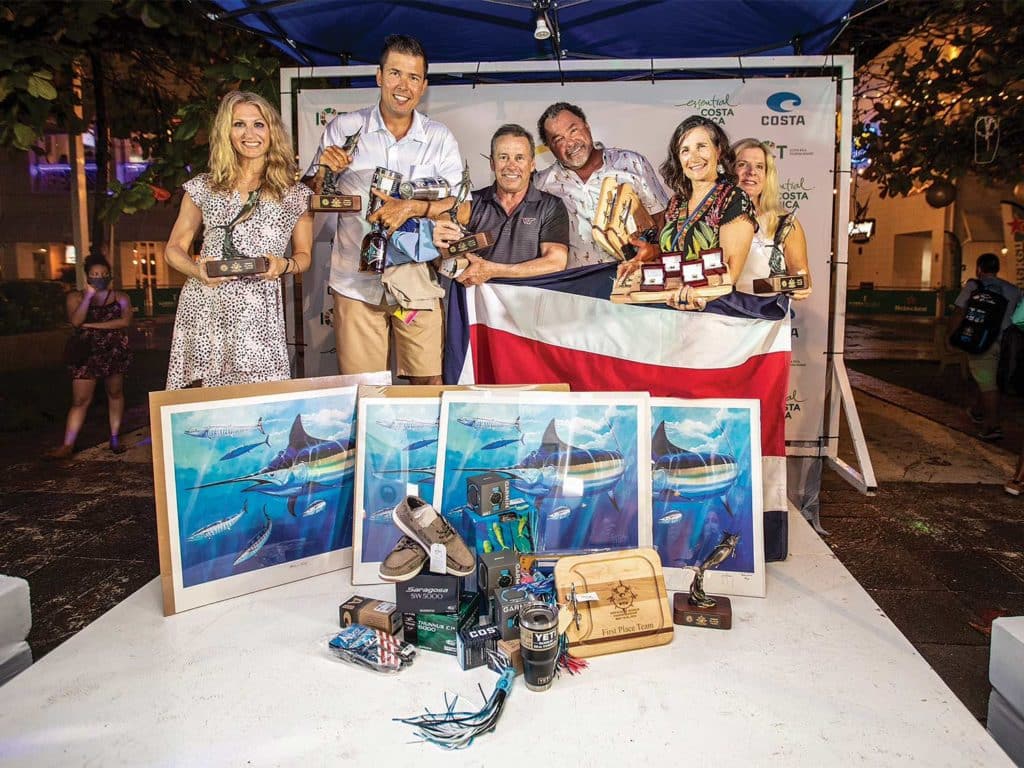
(457, 730)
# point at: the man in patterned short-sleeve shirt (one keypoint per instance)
(577, 176)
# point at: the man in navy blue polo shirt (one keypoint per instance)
(530, 228)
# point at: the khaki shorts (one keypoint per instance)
(363, 333)
(985, 368)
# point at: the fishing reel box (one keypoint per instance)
(487, 494)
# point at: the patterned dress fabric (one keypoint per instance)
(110, 353)
(234, 332)
(692, 233)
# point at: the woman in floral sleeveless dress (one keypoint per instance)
(707, 211)
(100, 316)
(231, 330)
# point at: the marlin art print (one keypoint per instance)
(307, 465)
(572, 459)
(253, 484)
(395, 457)
(702, 479)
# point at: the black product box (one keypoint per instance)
(472, 644)
(488, 494)
(378, 614)
(439, 631)
(507, 603)
(497, 570)
(429, 593)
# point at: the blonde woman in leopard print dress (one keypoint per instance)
(232, 330)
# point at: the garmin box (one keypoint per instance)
(439, 631)
(429, 593)
(507, 603)
(473, 642)
(378, 614)
(497, 570)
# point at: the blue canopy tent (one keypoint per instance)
(326, 32)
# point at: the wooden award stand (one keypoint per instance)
(631, 291)
(719, 616)
(614, 601)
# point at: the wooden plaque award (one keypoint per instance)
(243, 267)
(781, 284)
(631, 291)
(614, 601)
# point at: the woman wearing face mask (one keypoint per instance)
(100, 316)
(779, 247)
(708, 209)
(230, 330)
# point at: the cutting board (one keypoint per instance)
(621, 601)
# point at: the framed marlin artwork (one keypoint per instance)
(571, 466)
(253, 485)
(395, 457)
(705, 484)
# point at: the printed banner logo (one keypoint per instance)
(782, 150)
(715, 108)
(782, 104)
(793, 404)
(793, 192)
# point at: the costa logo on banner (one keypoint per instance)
(715, 108)
(794, 192)
(793, 403)
(782, 104)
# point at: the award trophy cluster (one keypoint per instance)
(374, 249)
(454, 262)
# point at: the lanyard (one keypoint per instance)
(682, 229)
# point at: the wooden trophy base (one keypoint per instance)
(718, 617)
(237, 267)
(331, 203)
(629, 291)
(780, 284)
(470, 244)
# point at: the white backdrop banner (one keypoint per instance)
(796, 115)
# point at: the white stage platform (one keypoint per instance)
(814, 674)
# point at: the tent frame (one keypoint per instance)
(839, 394)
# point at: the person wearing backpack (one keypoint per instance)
(983, 311)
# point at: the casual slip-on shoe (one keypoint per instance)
(404, 561)
(976, 417)
(989, 435)
(421, 522)
(1014, 487)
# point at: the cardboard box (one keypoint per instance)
(429, 593)
(509, 651)
(507, 603)
(497, 570)
(439, 631)
(473, 642)
(378, 614)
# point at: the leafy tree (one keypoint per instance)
(931, 91)
(150, 70)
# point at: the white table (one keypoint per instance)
(814, 674)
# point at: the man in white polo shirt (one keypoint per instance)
(577, 176)
(393, 135)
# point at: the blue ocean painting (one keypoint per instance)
(400, 456)
(701, 483)
(262, 483)
(574, 464)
